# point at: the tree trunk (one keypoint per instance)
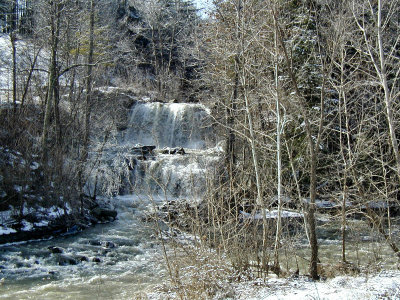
(28, 80)
(313, 157)
(13, 39)
(88, 99)
(278, 157)
(55, 31)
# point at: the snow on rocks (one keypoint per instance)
(6, 230)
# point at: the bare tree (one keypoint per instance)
(378, 23)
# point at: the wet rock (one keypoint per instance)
(96, 260)
(104, 251)
(109, 245)
(82, 258)
(65, 260)
(143, 150)
(74, 229)
(178, 150)
(103, 214)
(55, 250)
(94, 243)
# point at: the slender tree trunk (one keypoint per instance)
(28, 80)
(13, 39)
(278, 157)
(88, 99)
(89, 78)
(54, 24)
(313, 157)
(57, 117)
(230, 157)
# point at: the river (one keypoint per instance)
(120, 259)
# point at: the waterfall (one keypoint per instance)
(169, 125)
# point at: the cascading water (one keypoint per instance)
(169, 125)
(115, 260)
(166, 126)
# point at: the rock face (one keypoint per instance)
(45, 225)
(56, 227)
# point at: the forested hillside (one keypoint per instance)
(307, 94)
(70, 72)
(303, 96)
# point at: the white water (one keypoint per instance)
(30, 271)
(166, 125)
(170, 125)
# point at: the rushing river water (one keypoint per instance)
(119, 259)
(128, 254)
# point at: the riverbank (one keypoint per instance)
(216, 281)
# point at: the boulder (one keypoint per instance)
(103, 214)
(178, 150)
(94, 243)
(143, 150)
(165, 151)
(82, 258)
(105, 251)
(65, 260)
(108, 244)
(55, 250)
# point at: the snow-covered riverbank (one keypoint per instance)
(382, 285)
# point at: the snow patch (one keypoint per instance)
(27, 226)
(385, 285)
(34, 165)
(18, 188)
(272, 214)
(6, 230)
(42, 223)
